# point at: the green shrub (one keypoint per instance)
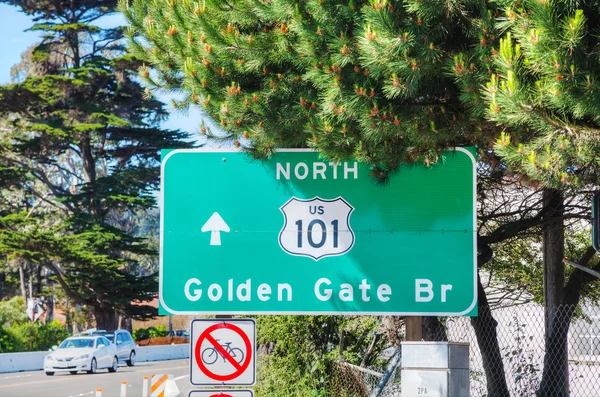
(12, 311)
(26, 333)
(304, 349)
(38, 337)
(158, 331)
(140, 334)
(152, 332)
(51, 334)
(9, 342)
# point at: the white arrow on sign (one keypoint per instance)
(215, 224)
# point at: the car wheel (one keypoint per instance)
(49, 373)
(115, 365)
(73, 372)
(131, 361)
(93, 366)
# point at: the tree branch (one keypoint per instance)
(68, 291)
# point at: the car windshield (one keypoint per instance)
(77, 343)
(110, 337)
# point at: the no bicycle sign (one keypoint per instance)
(223, 352)
(221, 393)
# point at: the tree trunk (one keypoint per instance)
(392, 325)
(555, 377)
(366, 360)
(554, 253)
(30, 285)
(126, 324)
(106, 319)
(554, 381)
(89, 167)
(38, 280)
(487, 339)
(69, 319)
(50, 309)
(556, 357)
(23, 287)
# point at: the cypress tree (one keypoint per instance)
(87, 135)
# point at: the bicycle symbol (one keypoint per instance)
(211, 354)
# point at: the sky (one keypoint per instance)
(14, 40)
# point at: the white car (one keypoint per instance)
(82, 353)
(124, 342)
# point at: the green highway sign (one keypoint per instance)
(297, 234)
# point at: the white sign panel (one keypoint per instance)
(221, 393)
(424, 383)
(316, 228)
(223, 352)
(34, 310)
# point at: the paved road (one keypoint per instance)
(37, 384)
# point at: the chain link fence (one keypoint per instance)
(522, 347)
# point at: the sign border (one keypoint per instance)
(216, 321)
(352, 313)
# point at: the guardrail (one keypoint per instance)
(163, 352)
(17, 362)
(33, 361)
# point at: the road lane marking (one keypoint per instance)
(182, 377)
(153, 369)
(68, 378)
(52, 381)
(17, 376)
(35, 382)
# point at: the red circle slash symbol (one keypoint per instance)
(239, 368)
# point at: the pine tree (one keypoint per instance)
(391, 82)
(88, 138)
(545, 94)
(370, 80)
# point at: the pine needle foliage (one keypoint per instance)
(544, 90)
(370, 80)
(387, 81)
